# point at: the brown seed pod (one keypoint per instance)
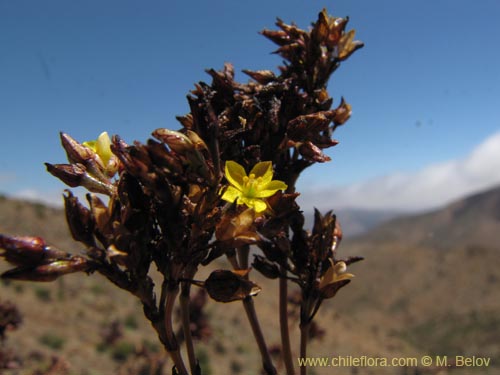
(228, 286)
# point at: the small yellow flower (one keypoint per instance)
(105, 157)
(102, 147)
(252, 189)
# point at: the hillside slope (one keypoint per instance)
(474, 220)
(410, 297)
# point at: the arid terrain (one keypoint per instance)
(430, 285)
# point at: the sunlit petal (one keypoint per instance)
(231, 194)
(103, 147)
(270, 189)
(235, 174)
(264, 169)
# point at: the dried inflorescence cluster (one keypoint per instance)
(185, 197)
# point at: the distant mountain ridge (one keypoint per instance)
(473, 220)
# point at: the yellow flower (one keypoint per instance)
(105, 157)
(102, 147)
(252, 189)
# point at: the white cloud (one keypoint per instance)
(430, 187)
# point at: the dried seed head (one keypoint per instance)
(228, 286)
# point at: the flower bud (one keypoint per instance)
(48, 272)
(71, 174)
(76, 152)
(312, 152)
(177, 141)
(79, 220)
(261, 76)
(186, 121)
(26, 251)
(342, 113)
(347, 46)
(199, 144)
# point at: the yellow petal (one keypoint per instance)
(235, 174)
(264, 170)
(103, 147)
(257, 204)
(270, 189)
(90, 144)
(231, 194)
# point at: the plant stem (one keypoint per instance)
(267, 363)
(304, 338)
(186, 325)
(283, 315)
(249, 306)
(283, 295)
(172, 344)
(305, 323)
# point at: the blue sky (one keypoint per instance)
(424, 90)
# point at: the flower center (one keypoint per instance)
(251, 185)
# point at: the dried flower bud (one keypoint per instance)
(312, 152)
(76, 152)
(347, 46)
(186, 121)
(48, 272)
(342, 113)
(79, 220)
(26, 251)
(228, 286)
(261, 76)
(177, 141)
(75, 175)
(71, 174)
(100, 213)
(199, 144)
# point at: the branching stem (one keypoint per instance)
(248, 304)
(172, 344)
(186, 325)
(283, 315)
